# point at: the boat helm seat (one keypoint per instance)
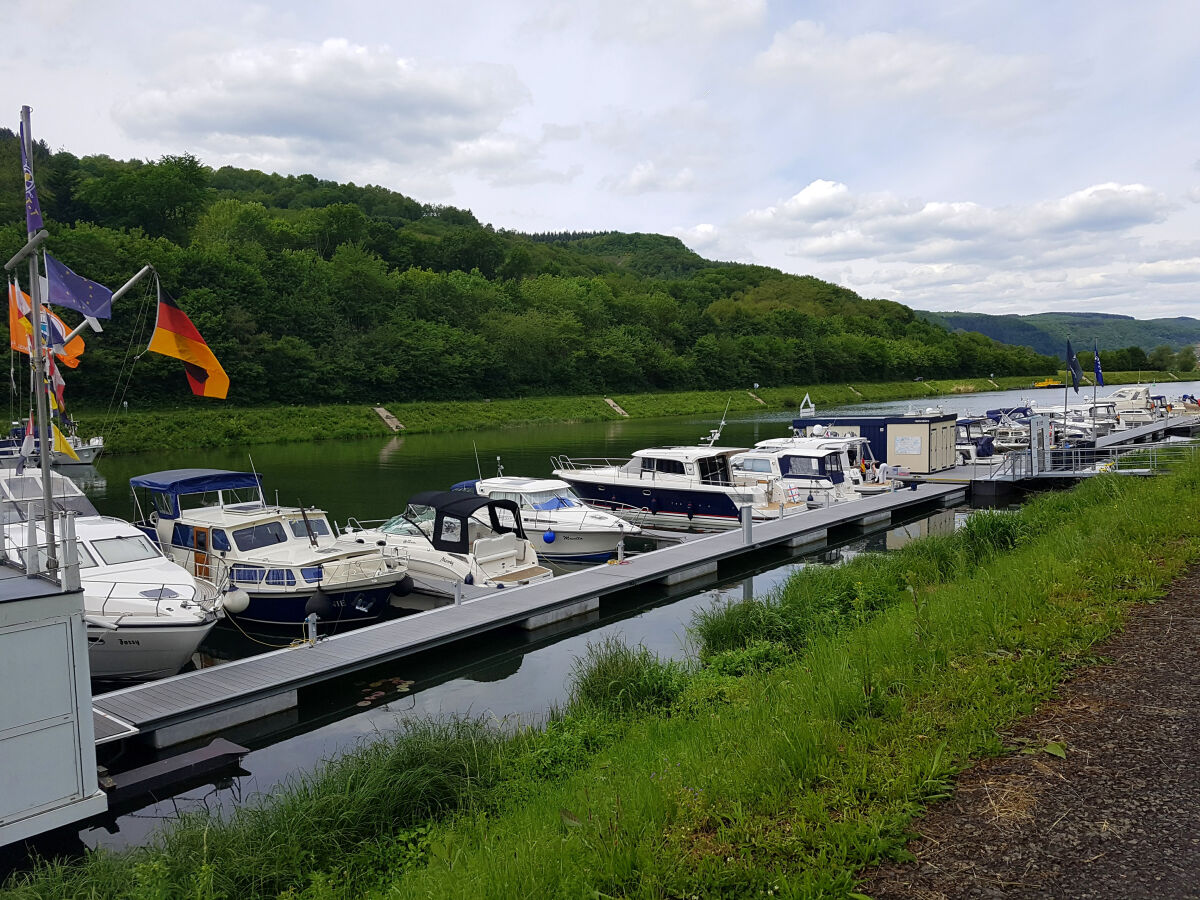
(496, 549)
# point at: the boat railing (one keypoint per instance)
(123, 592)
(586, 463)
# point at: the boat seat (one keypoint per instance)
(495, 549)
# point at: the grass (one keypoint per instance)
(212, 425)
(792, 751)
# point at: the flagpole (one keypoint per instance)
(1062, 439)
(1095, 367)
(39, 372)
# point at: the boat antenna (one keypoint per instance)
(715, 434)
(254, 472)
(478, 467)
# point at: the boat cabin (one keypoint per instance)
(541, 494)
(705, 465)
(454, 520)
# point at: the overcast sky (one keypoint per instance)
(993, 157)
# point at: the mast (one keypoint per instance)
(42, 418)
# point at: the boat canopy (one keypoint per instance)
(196, 481)
(454, 509)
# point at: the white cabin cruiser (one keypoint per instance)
(453, 537)
(863, 473)
(676, 487)
(145, 615)
(560, 524)
(286, 560)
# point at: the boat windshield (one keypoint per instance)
(401, 525)
(318, 525)
(125, 548)
(559, 498)
(258, 536)
(21, 491)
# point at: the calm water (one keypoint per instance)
(507, 676)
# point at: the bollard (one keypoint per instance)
(621, 550)
(747, 524)
(458, 593)
(310, 625)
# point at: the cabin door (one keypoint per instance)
(200, 554)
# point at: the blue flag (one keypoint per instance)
(33, 209)
(76, 292)
(1076, 369)
(1096, 357)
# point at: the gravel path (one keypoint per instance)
(1118, 817)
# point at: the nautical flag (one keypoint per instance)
(1076, 369)
(61, 444)
(57, 385)
(1096, 358)
(54, 329)
(33, 209)
(76, 292)
(176, 336)
(26, 446)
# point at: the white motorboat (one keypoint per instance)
(145, 615)
(453, 537)
(560, 524)
(283, 562)
(816, 470)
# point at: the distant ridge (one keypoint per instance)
(1047, 332)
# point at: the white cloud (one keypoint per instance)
(1170, 270)
(886, 67)
(337, 100)
(646, 177)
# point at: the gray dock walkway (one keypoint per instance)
(186, 706)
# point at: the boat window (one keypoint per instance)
(563, 498)
(281, 577)
(505, 517)
(799, 467)
(181, 535)
(86, 560)
(400, 525)
(312, 574)
(451, 530)
(667, 466)
(833, 463)
(258, 536)
(248, 574)
(162, 503)
(125, 548)
(317, 523)
(754, 465)
(220, 540)
(714, 469)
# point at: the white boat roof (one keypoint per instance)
(521, 485)
(239, 515)
(686, 454)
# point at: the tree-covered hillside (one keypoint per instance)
(312, 291)
(1048, 332)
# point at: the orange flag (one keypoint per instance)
(20, 329)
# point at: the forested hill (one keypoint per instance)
(1048, 332)
(313, 291)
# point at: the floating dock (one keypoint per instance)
(178, 709)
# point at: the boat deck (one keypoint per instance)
(177, 704)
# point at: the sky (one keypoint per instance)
(994, 157)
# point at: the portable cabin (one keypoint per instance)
(921, 443)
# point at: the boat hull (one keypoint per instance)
(143, 652)
(290, 608)
(564, 545)
(669, 507)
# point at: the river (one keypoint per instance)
(506, 675)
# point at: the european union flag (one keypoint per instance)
(33, 209)
(1076, 369)
(76, 292)
(1096, 357)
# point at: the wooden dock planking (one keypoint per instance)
(171, 701)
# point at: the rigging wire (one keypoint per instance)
(136, 335)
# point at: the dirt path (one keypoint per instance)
(1118, 817)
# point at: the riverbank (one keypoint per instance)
(211, 425)
(813, 726)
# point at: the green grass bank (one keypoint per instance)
(214, 424)
(794, 748)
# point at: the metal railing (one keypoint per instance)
(1082, 462)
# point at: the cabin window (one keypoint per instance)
(248, 574)
(756, 465)
(311, 574)
(833, 464)
(281, 577)
(220, 540)
(317, 523)
(258, 536)
(126, 548)
(714, 469)
(666, 466)
(181, 535)
(451, 530)
(800, 467)
(563, 498)
(504, 518)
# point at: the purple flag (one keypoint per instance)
(33, 209)
(76, 292)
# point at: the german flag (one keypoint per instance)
(176, 336)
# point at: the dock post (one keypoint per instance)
(621, 550)
(310, 627)
(747, 524)
(458, 593)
